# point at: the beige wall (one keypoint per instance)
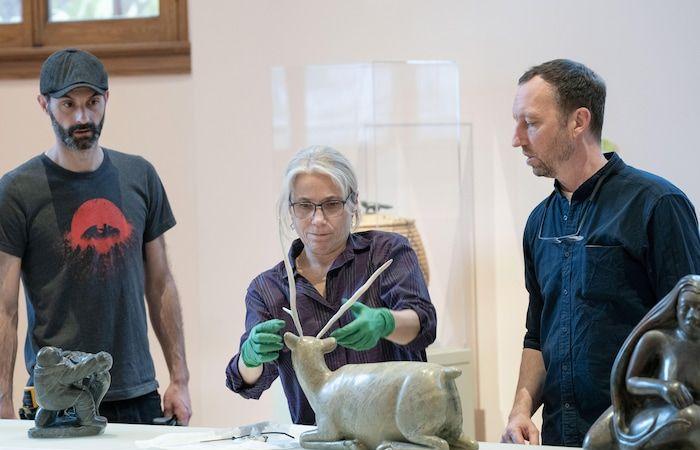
(210, 136)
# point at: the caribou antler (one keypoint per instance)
(290, 280)
(354, 298)
(350, 301)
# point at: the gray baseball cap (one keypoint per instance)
(69, 69)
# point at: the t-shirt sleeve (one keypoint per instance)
(160, 217)
(13, 220)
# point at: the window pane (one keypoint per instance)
(10, 11)
(72, 10)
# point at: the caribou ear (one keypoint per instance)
(329, 345)
(291, 340)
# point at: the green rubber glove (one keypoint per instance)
(369, 326)
(263, 344)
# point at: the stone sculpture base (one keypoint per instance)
(65, 432)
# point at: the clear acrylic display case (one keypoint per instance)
(399, 124)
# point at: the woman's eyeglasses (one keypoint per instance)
(330, 208)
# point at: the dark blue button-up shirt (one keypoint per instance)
(400, 287)
(624, 240)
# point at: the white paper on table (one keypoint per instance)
(221, 439)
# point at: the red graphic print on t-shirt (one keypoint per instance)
(100, 224)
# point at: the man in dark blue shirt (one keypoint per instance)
(607, 243)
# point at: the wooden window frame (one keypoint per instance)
(154, 45)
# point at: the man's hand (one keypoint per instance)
(7, 409)
(166, 317)
(176, 401)
(521, 429)
(263, 344)
(528, 397)
(369, 326)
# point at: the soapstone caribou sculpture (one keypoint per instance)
(399, 405)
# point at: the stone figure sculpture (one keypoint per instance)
(655, 381)
(398, 404)
(69, 387)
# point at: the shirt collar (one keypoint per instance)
(356, 243)
(614, 165)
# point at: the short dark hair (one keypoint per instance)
(576, 86)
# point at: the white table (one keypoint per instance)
(13, 435)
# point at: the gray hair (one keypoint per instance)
(318, 159)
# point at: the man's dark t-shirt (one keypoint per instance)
(81, 238)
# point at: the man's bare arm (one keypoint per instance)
(166, 318)
(10, 267)
(528, 397)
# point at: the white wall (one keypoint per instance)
(210, 136)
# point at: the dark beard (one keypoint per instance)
(73, 143)
(565, 148)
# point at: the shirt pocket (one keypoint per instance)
(603, 275)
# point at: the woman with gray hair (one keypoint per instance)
(394, 320)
